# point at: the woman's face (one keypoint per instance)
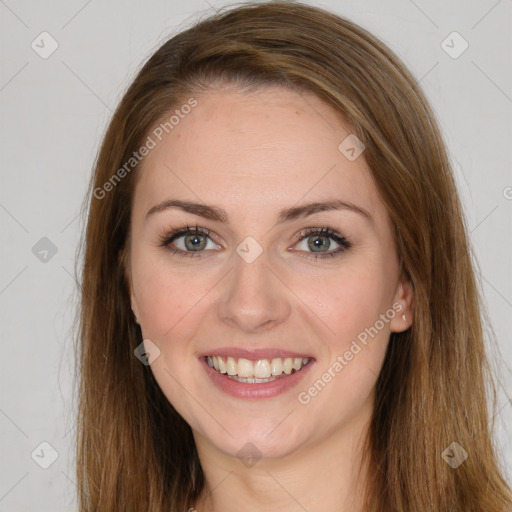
(266, 276)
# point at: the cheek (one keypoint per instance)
(170, 309)
(348, 301)
(355, 309)
(165, 296)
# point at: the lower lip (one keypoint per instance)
(255, 391)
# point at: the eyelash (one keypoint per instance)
(166, 240)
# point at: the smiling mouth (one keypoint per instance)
(258, 371)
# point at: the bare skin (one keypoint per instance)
(253, 155)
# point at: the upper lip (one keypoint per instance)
(255, 354)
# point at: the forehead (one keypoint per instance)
(258, 150)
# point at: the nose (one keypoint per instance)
(253, 299)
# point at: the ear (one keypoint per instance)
(124, 261)
(403, 305)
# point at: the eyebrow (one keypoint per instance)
(286, 215)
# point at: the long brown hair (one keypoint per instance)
(134, 452)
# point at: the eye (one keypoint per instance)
(188, 241)
(319, 242)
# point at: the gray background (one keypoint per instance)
(54, 112)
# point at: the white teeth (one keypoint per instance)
(250, 380)
(245, 368)
(231, 367)
(288, 365)
(222, 365)
(297, 363)
(277, 366)
(262, 370)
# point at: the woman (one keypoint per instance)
(279, 308)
